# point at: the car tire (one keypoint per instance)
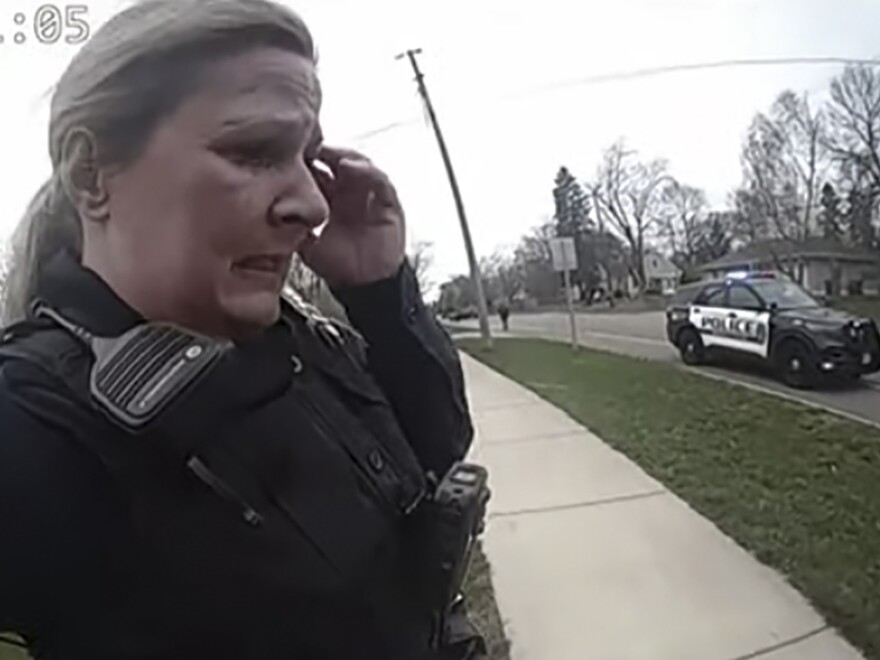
(794, 365)
(690, 345)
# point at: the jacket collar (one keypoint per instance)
(82, 296)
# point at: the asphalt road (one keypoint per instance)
(644, 335)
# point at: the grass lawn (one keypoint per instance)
(649, 303)
(11, 653)
(454, 328)
(869, 307)
(798, 487)
(484, 611)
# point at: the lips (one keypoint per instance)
(267, 267)
(266, 263)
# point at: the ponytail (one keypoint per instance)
(49, 226)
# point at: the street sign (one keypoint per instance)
(565, 260)
(563, 254)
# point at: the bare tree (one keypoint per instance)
(533, 261)
(803, 132)
(682, 212)
(504, 278)
(854, 114)
(784, 161)
(854, 140)
(714, 236)
(421, 258)
(627, 193)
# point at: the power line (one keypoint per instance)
(645, 73)
(695, 66)
(383, 129)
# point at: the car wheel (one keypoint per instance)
(690, 345)
(795, 366)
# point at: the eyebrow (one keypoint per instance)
(270, 125)
(279, 124)
(290, 128)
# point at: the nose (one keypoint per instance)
(301, 201)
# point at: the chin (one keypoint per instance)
(254, 311)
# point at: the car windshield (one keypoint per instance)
(786, 295)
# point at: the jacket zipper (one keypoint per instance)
(251, 516)
(279, 504)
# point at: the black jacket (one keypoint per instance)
(113, 548)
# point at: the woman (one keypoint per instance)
(189, 466)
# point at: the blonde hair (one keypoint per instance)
(131, 74)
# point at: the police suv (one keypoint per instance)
(768, 317)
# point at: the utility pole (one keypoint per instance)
(456, 194)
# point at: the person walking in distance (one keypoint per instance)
(504, 314)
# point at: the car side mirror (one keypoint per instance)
(772, 307)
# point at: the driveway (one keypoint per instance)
(644, 335)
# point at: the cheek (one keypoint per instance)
(225, 207)
(182, 208)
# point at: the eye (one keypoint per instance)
(254, 155)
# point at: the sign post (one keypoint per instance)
(564, 255)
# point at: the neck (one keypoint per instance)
(144, 292)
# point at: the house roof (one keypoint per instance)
(811, 248)
(664, 266)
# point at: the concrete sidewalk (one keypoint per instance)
(594, 560)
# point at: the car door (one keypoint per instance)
(747, 321)
(707, 313)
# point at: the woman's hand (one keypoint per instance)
(364, 238)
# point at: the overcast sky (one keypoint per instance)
(488, 64)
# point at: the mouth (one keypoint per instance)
(267, 267)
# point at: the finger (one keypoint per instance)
(326, 183)
(333, 156)
(307, 244)
(386, 197)
(367, 174)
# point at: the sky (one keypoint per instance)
(492, 67)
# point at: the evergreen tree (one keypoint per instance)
(830, 216)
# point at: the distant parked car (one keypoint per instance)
(463, 314)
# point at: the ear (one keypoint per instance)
(84, 180)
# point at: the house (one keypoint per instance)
(822, 266)
(661, 275)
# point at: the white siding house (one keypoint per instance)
(822, 266)
(661, 275)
